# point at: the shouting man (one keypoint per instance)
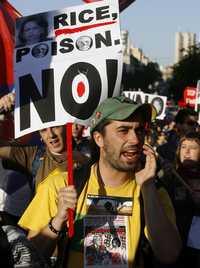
(123, 173)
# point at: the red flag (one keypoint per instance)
(122, 3)
(8, 14)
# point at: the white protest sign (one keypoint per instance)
(159, 102)
(197, 100)
(75, 63)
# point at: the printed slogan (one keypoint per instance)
(65, 76)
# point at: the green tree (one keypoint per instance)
(137, 75)
(186, 73)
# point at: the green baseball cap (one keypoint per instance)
(120, 108)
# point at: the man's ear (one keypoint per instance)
(98, 138)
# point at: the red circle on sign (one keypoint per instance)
(80, 89)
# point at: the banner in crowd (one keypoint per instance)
(189, 96)
(197, 101)
(197, 95)
(159, 102)
(66, 62)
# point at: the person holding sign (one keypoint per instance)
(80, 143)
(123, 172)
(48, 157)
(39, 161)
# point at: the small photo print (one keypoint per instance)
(105, 245)
(109, 205)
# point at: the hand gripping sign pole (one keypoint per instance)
(70, 174)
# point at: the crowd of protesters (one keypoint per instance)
(154, 169)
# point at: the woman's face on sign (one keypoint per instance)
(32, 32)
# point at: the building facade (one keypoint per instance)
(183, 41)
(129, 50)
(126, 45)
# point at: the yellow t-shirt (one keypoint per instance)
(100, 202)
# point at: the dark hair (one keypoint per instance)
(95, 151)
(183, 114)
(116, 241)
(37, 50)
(40, 20)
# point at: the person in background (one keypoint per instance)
(15, 194)
(183, 184)
(26, 166)
(188, 208)
(186, 120)
(38, 160)
(161, 139)
(81, 143)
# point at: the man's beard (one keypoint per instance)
(115, 163)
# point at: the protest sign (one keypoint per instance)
(159, 102)
(189, 95)
(197, 95)
(197, 101)
(76, 64)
